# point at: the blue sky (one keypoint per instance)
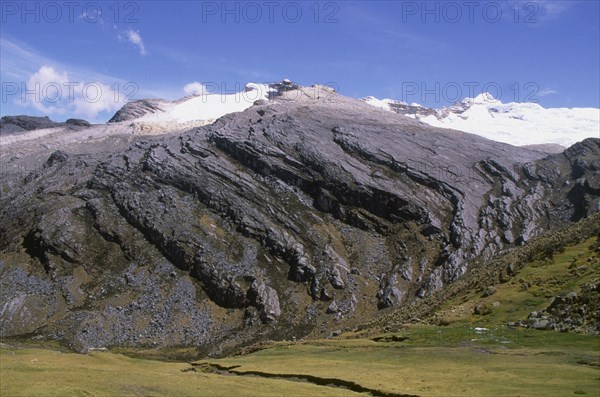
(85, 59)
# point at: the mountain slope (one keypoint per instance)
(544, 276)
(299, 215)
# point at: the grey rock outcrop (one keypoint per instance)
(23, 124)
(16, 124)
(570, 312)
(78, 122)
(238, 230)
(139, 108)
(552, 148)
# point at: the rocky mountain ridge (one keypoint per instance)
(20, 124)
(297, 216)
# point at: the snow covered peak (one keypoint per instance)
(206, 107)
(252, 87)
(378, 103)
(485, 98)
(515, 123)
(200, 109)
(396, 106)
(261, 89)
(519, 124)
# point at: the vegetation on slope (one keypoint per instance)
(470, 352)
(510, 287)
(426, 364)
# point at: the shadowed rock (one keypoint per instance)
(235, 231)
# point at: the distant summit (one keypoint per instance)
(20, 124)
(202, 108)
(518, 124)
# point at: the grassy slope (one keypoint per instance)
(35, 372)
(457, 360)
(530, 290)
(542, 364)
(453, 370)
(551, 252)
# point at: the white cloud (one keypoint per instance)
(96, 98)
(21, 64)
(136, 39)
(52, 92)
(547, 91)
(194, 88)
(45, 90)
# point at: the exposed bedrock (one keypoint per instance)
(291, 218)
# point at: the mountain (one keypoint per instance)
(20, 124)
(519, 124)
(302, 214)
(198, 108)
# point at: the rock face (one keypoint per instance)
(546, 148)
(78, 122)
(570, 312)
(136, 109)
(15, 124)
(412, 110)
(300, 216)
(20, 124)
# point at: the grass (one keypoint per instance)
(532, 289)
(31, 372)
(449, 369)
(539, 364)
(474, 356)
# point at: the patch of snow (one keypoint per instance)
(378, 103)
(522, 124)
(518, 124)
(205, 107)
